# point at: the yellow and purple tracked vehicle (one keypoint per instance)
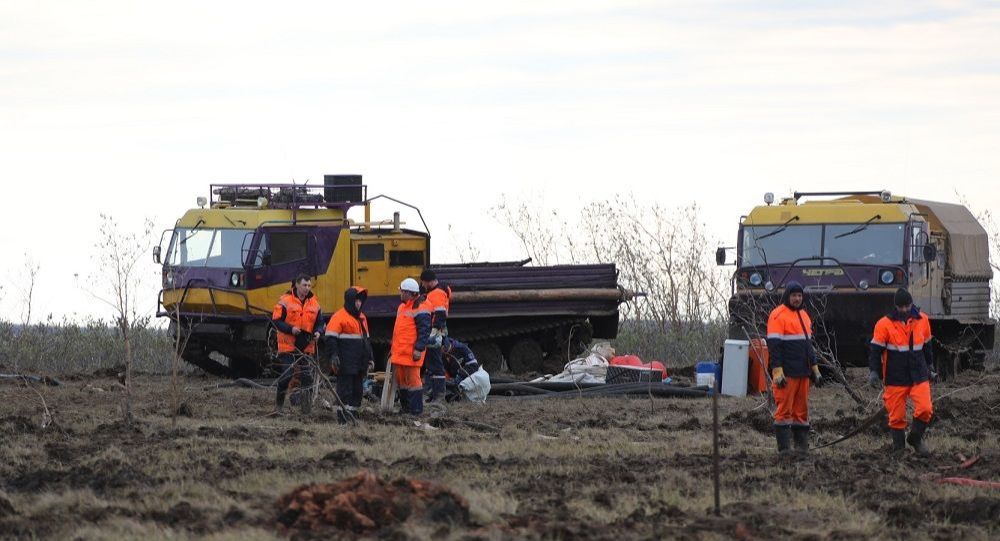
(851, 251)
(226, 263)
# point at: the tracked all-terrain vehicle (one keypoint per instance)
(225, 264)
(851, 251)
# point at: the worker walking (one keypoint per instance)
(902, 359)
(348, 349)
(410, 336)
(298, 319)
(438, 302)
(793, 368)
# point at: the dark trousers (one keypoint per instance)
(435, 373)
(350, 389)
(290, 365)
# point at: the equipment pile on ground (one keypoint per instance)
(366, 503)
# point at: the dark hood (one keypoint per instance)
(914, 313)
(792, 287)
(352, 294)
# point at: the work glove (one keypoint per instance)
(874, 380)
(778, 375)
(417, 354)
(334, 364)
(434, 341)
(817, 377)
(934, 376)
(371, 365)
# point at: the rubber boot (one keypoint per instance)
(416, 402)
(279, 402)
(916, 437)
(898, 440)
(783, 433)
(437, 390)
(800, 435)
(404, 400)
(305, 401)
(341, 416)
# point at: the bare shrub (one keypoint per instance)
(662, 251)
(117, 254)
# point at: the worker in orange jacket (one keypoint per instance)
(298, 319)
(439, 301)
(410, 336)
(902, 358)
(348, 350)
(793, 368)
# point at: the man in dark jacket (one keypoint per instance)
(902, 357)
(793, 368)
(349, 351)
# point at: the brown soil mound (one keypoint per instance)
(365, 503)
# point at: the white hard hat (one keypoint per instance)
(410, 285)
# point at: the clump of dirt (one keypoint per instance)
(17, 424)
(6, 507)
(759, 420)
(184, 410)
(365, 503)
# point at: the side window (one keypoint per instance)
(406, 258)
(286, 247)
(371, 252)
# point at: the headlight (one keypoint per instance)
(863, 284)
(769, 286)
(756, 279)
(234, 279)
(886, 277)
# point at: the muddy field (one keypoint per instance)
(610, 468)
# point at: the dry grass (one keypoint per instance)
(590, 469)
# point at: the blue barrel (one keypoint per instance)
(707, 373)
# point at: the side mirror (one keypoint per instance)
(930, 253)
(156, 254)
(265, 258)
(720, 256)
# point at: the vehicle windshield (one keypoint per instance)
(202, 247)
(875, 244)
(761, 247)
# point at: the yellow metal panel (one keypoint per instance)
(234, 218)
(201, 300)
(825, 212)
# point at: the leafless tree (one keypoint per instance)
(30, 279)
(119, 282)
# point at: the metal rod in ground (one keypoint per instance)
(715, 449)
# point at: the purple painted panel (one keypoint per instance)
(321, 247)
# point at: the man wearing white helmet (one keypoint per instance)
(410, 336)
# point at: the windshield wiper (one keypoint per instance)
(783, 227)
(859, 228)
(193, 229)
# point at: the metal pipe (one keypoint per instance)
(528, 295)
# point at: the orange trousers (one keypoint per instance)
(792, 402)
(408, 377)
(895, 397)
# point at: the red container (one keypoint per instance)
(759, 364)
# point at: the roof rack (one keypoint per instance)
(286, 196)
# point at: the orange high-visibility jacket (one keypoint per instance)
(347, 336)
(439, 301)
(292, 312)
(901, 348)
(788, 345)
(411, 332)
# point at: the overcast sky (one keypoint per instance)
(133, 108)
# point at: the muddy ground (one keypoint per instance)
(540, 469)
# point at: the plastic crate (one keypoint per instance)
(628, 374)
